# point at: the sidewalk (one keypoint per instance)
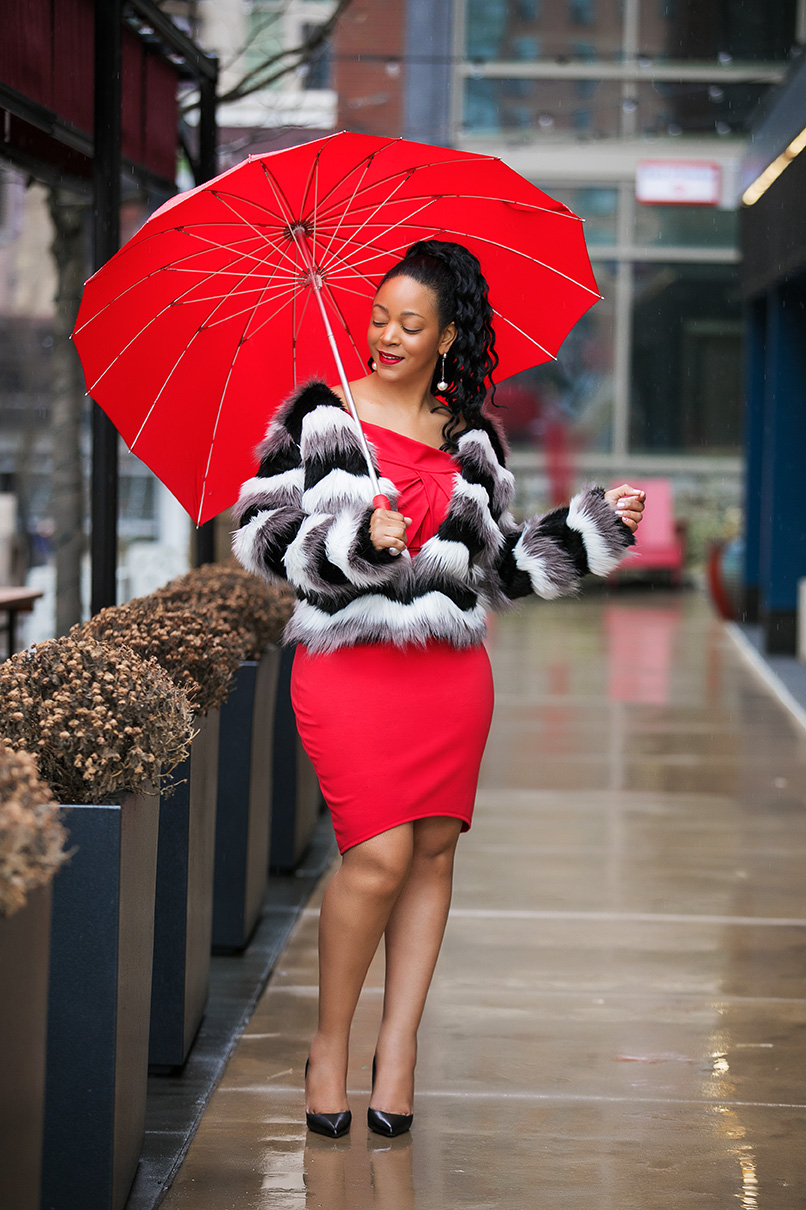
(618, 1020)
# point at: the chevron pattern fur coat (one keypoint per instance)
(304, 518)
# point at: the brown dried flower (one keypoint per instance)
(256, 610)
(92, 751)
(197, 649)
(31, 834)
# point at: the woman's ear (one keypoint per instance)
(447, 338)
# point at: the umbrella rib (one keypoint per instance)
(202, 327)
(516, 252)
(230, 371)
(235, 293)
(531, 339)
(170, 267)
(259, 234)
(221, 194)
(381, 234)
(139, 333)
(481, 197)
(234, 315)
(343, 214)
(410, 171)
(359, 229)
(277, 311)
(364, 163)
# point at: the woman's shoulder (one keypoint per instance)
(494, 430)
(305, 399)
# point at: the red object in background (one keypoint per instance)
(193, 333)
(659, 540)
(47, 53)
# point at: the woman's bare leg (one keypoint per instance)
(413, 939)
(355, 910)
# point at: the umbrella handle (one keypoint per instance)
(382, 502)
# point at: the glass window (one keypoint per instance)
(567, 405)
(686, 226)
(597, 206)
(487, 23)
(495, 28)
(732, 29)
(686, 390)
(582, 12)
(555, 107)
(697, 108)
(527, 49)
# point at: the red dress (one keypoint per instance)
(397, 733)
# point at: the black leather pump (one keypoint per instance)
(331, 1125)
(390, 1125)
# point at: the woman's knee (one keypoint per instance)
(380, 866)
(435, 841)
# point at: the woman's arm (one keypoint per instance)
(305, 516)
(548, 555)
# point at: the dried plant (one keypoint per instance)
(31, 834)
(197, 649)
(258, 611)
(100, 721)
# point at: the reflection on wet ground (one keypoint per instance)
(618, 1020)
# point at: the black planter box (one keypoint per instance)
(183, 914)
(100, 982)
(243, 815)
(24, 956)
(297, 800)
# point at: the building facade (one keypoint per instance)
(635, 113)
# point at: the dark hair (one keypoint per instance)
(455, 276)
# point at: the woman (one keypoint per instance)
(392, 686)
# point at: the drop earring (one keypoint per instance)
(442, 384)
(373, 366)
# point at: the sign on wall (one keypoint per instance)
(678, 182)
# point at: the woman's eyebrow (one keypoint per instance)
(381, 307)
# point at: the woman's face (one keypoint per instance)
(404, 336)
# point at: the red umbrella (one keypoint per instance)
(195, 331)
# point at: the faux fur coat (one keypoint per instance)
(304, 518)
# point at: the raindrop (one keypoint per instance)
(715, 92)
(674, 130)
(723, 128)
(545, 120)
(629, 105)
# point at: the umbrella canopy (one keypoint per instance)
(195, 331)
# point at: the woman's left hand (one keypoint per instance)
(628, 503)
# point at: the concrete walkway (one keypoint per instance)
(618, 1020)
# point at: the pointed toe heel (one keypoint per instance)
(331, 1125)
(390, 1125)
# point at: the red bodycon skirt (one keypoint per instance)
(395, 734)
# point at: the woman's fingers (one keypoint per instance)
(387, 530)
(628, 503)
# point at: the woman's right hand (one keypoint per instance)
(387, 530)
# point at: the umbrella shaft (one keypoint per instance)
(314, 277)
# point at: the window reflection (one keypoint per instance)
(545, 108)
(732, 29)
(576, 30)
(686, 359)
(694, 107)
(567, 404)
(689, 226)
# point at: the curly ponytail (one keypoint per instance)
(454, 274)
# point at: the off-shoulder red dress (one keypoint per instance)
(397, 733)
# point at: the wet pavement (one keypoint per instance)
(618, 1019)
